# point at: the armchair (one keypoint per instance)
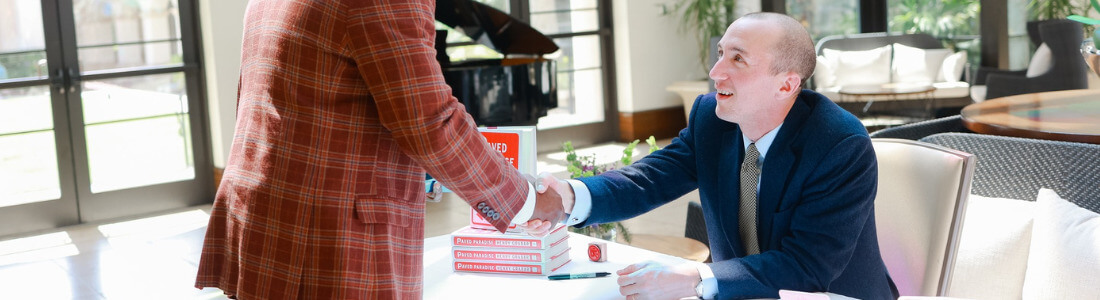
(1057, 67)
(921, 200)
(918, 130)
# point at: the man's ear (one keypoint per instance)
(791, 86)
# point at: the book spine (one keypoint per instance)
(463, 241)
(498, 268)
(489, 255)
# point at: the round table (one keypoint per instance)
(1071, 115)
(678, 246)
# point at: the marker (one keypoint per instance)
(577, 276)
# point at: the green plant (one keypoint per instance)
(704, 19)
(941, 19)
(1053, 9)
(585, 165)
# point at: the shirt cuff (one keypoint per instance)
(528, 209)
(582, 203)
(710, 284)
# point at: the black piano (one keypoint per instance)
(512, 91)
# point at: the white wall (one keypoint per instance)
(651, 53)
(222, 26)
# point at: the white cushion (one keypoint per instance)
(977, 93)
(1065, 251)
(824, 75)
(1041, 61)
(993, 248)
(952, 68)
(913, 64)
(954, 89)
(860, 67)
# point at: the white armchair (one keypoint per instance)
(921, 201)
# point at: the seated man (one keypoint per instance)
(797, 214)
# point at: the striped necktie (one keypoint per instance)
(750, 174)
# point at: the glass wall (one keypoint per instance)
(826, 17)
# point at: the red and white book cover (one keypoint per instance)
(473, 237)
(512, 255)
(555, 263)
(517, 144)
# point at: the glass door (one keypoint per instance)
(35, 150)
(122, 77)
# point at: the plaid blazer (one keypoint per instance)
(341, 109)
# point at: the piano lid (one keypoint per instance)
(493, 28)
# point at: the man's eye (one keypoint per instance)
(738, 58)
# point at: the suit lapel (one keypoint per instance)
(778, 164)
(728, 176)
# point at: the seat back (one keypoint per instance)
(1015, 168)
(918, 130)
(921, 200)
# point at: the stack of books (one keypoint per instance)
(513, 252)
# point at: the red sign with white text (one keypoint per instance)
(506, 143)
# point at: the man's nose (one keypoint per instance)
(716, 72)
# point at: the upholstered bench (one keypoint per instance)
(880, 59)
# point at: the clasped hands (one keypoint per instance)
(647, 280)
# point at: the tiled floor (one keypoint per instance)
(156, 257)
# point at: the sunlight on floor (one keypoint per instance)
(158, 227)
(37, 248)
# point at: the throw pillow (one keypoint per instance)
(913, 64)
(952, 68)
(824, 76)
(1041, 62)
(860, 67)
(1065, 251)
(991, 258)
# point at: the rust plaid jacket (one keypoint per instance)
(341, 109)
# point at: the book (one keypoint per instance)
(552, 262)
(512, 268)
(512, 255)
(516, 143)
(472, 237)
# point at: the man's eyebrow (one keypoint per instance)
(739, 49)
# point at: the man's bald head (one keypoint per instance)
(794, 49)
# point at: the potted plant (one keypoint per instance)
(584, 166)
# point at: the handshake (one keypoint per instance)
(552, 203)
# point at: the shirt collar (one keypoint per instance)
(763, 143)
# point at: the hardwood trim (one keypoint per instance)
(661, 123)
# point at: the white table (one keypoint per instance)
(441, 282)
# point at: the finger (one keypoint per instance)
(632, 291)
(630, 269)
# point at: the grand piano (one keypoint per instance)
(512, 91)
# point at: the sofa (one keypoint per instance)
(883, 58)
(1031, 222)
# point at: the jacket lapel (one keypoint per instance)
(778, 164)
(732, 151)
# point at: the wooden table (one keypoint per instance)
(1072, 115)
(677, 246)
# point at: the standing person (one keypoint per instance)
(341, 109)
(786, 178)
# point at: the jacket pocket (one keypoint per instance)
(386, 211)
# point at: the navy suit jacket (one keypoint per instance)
(815, 217)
